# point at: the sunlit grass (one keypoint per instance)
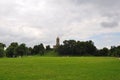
(60, 68)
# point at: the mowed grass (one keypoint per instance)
(60, 68)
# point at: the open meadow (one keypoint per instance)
(60, 68)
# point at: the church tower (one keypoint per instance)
(57, 41)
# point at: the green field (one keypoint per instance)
(60, 68)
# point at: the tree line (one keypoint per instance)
(68, 48)
(85, 48)
(16, 50)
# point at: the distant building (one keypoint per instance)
(57, 42)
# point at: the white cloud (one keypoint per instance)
(36, 21)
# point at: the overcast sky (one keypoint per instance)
(41, 21)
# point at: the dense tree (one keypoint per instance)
(91, 48)
(2, 45)
(73, 48)
(29, 51)
(85, 48)
(21, 50)
(35, 50)
(11, 50)
(68, 48)
(48, 48)
(42, 49)
(2, 52)
(103, 52)
(115, 51)
(38, 49)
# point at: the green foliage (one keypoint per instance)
(29, 51)
(21, 50)
(48, 48)
(2, 45)
(15, 50)
(11, 50)
(60, 68)
(103, 52)
(115, 51)
(73, 48)
(51, 53)
(38, 49)
(2, 52)
(68, 48)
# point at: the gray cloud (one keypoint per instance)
(109, 24)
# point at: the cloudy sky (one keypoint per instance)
(41, 21)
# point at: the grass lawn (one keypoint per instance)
(60, 68)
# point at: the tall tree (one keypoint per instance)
(2, 45)
(29, 51)
(2, 51)
(115, 51)
(11, 50)
(38, 49)
(21, 50)
(41, 49)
